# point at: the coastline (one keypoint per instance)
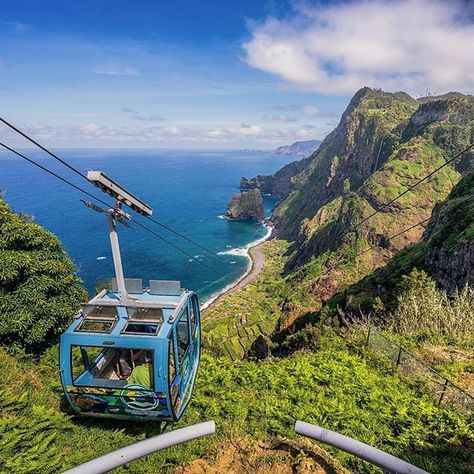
(253, 252)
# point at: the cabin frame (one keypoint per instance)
(174, 341)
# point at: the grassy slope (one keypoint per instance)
(451, 226)
(337, 388)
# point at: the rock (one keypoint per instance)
(260, 348)
(279, 184)
(246, 206)
(449, 238)
(451, 270)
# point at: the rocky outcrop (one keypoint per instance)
(247, 205)
(452, 269)
(279, 184)
(449, 237)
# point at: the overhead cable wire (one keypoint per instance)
(414, 185)
(180, 235)
(64, 180)
(172, 244)
(471, 196)
(75, 170)
(56, 157)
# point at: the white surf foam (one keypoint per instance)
(241, 252)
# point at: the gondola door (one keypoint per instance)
(184, 356)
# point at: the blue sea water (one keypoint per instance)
(188, 190)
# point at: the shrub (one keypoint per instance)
(422, 308)
(39, 290)
(308, 339)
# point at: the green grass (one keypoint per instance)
(259, 303)
(337, 388)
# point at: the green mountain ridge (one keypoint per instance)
(445, 252)
(383, 144)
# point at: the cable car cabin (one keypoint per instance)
(135, 359)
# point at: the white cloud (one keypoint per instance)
(143, 118)
(310, 110)
(337, 48)
(307, 132)
(279, 118)
(97, 134)
(18, 26)
(114, 69)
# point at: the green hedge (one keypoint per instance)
(39, 290)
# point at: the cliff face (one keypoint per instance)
(247, 205)
(449, 237)
(279, 184)
(383, 144)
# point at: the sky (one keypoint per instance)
(217, 74)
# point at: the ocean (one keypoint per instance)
(188, 191)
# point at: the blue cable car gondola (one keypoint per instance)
(132, 352)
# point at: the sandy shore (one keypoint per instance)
(257, 259)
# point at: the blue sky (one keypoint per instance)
(227, 74)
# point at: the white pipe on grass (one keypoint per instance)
(135, 451)
(357, 448)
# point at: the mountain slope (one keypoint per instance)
(361, 142)
(446, 253)
(384, 143)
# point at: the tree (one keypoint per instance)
(39, 289)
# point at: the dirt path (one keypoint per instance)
(278, 456)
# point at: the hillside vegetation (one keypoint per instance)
(290, 345)
(335, 387)
(38, 288)
(446, 252)
(383, 144)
